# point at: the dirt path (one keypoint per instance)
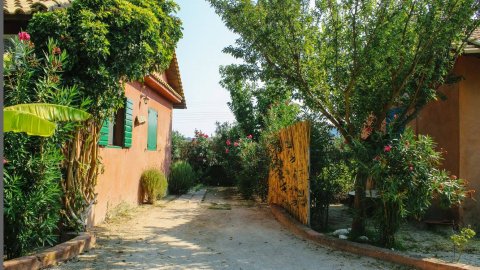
(222, 232)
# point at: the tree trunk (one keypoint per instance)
(358, 224)
(81, 169)
(390, 224)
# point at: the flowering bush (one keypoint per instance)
(226, 154)
(199, 154)
(32, 175)
(407, 177)
(23, 36)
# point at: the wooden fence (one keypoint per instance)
(288, 181)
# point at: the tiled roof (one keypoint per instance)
(174, 84)
(27, 7)
(476, 34)
(473, 44)
(173, 75)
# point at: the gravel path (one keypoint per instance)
(222, 232)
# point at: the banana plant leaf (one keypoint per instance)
(36, 119)
(17, 121)
(51, 112)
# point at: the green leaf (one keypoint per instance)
(17, 121)
(51, 112)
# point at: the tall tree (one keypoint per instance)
(251, 98)
(354, 61)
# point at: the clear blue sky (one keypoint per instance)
(200, 56)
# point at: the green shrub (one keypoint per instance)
(331, 176)
(179, 146)
(154, 185)
(407, 177)
(182, 177)
(32, 176)
(252, 179)
(460, 240)
(32, 193)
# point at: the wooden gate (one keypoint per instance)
(288, 181)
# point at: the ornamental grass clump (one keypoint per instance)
(154, 185)
(182, 177)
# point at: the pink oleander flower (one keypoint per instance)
(23, 36)
(387, 148)
(226, 151)
(250, 136)
(236, 144)
(377, 158)
(410, 168)
(205, 135)
(228, 142)
(5, 161)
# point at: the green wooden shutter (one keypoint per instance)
(103, 141)
(152, 129)
(128, 127)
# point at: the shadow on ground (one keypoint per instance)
(190, 235)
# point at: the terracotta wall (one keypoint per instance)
(439, 120)
(123, 167)
(469, 67)
(455, 126)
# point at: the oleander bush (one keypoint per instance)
(199, 154)
(407, 175)
(32, 173)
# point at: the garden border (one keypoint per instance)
(362, 249)
(53, 255)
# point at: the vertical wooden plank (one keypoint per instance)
(289, 181)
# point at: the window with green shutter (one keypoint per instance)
(152, 129)
(118, 133)
(104, 133)
(128, 124)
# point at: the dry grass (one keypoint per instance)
(123, 210)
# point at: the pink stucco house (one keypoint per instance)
(139, 139)
(139, 135)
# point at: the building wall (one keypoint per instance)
(470, 135)
(123, 167)
(440, 120)
(455, 126)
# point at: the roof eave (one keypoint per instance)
(162, 88)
